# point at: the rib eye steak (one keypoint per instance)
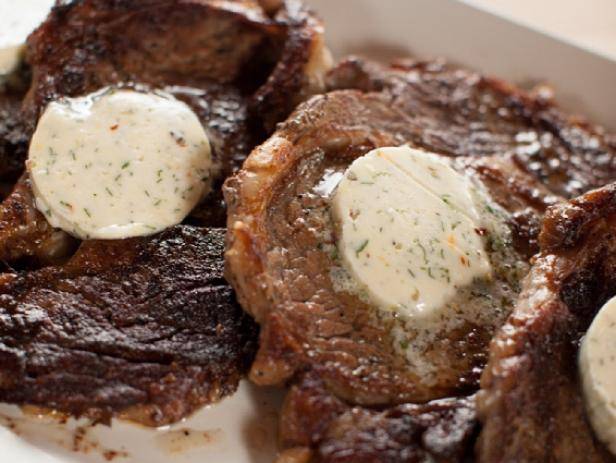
(281, 240)
(13, 136)
(459, 113)
(229, 61)
(146, 329)
(18, 208)
(441, 430)
(531, 403)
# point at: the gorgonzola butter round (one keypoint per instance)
(409, 230)
(118, 163)
(598, 370)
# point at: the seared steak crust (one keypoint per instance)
(531, 403)
(438, 431)
(301, 68)
(13, 133)
(146, 329)
(461, 113)
(280, 241)
(26, 238)
(441, 430)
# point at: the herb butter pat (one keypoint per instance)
(17, 20)
(118, 164)
(410, 230)
(598, 370)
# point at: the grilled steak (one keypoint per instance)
(461, 113)
(13, 134)
(281, 236)
(441, 431)
(26, 238)
(146, 329)
(229, 61)
(531, 401)
(230, 53)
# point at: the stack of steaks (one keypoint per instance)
(351, 397)
(146, 329)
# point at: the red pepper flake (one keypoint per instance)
(178, 139)
(114, 127)
(67, 205)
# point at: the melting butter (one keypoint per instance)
(597, 363)
(410, 231)
(119, 163)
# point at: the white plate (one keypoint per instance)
(242, 428)
(457, 30)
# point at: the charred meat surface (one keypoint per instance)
(229, 61)
(282, 245)
(146, 329)
(531, 404)
(441, 430)
(462, 113)
(13, 134)
(26, 238)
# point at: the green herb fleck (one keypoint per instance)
(428, 270)
(423, 250)
(361, 247)
(445, 274)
